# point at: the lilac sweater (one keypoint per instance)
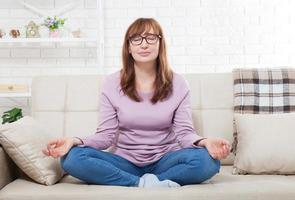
(140, 131)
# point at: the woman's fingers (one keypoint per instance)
(46, 152)
(49, 151)
(214, 156)
(55, 155)
(226, 150)
(58, 152)
(55, 148)
(51, 144)
(225, 142)
(222, 152)
(217, 154)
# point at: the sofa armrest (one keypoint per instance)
(7, 169)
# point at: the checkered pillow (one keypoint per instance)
(263, 91)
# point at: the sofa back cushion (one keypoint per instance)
(70, 104)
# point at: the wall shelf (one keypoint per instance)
(41, 40)
(7, 95)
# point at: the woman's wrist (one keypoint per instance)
(77, 141)
(201, 142)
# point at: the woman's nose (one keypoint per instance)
(144, 44)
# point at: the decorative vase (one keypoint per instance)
(55, 33)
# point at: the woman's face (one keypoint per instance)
(144, 47)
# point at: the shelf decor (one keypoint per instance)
(54, 24)
(32, 30)
(14, 33)
(2, 33)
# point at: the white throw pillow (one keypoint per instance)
(23, 141)
(266, 144)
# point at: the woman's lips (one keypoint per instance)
(144, 54)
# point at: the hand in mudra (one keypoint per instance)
(218, 148)
(58, 147)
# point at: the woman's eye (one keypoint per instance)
(137, 39)
(151, 37)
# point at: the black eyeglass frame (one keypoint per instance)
(158, 36)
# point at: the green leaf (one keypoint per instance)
(12, 115)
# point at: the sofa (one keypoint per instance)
(69, 106)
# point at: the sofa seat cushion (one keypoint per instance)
(224, 185)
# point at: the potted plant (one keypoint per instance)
(12, 115)
(54, 24)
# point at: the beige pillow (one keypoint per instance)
(266, 144)
(23, 141)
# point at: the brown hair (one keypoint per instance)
(164, 75)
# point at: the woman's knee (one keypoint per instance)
(210, 165)
(69, 159)
(208, 161)
(204, 165)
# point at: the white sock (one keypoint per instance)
(151, 180)
(141, 182)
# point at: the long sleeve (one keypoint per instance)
(106, 132)
(183, 124)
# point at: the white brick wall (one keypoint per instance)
(202, 35)
(210, 35)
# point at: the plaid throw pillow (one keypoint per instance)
(263, 91)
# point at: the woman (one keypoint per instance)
(146, 120)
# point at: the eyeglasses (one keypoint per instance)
(149, 38)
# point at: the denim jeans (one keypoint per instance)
(185, 166)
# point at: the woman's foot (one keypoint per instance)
(151, 180)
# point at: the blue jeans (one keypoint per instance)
(185, 166)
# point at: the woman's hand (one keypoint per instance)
(59, 147)
(218, 148)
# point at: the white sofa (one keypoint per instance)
(68, 105)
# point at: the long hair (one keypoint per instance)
(164, 74)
